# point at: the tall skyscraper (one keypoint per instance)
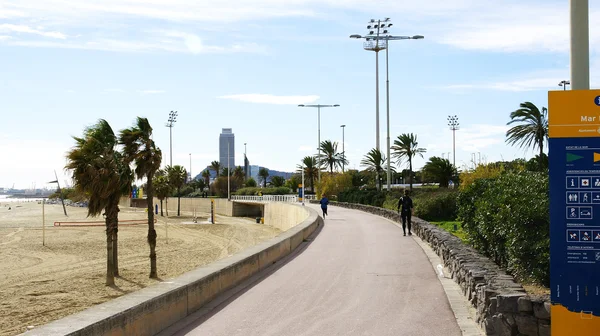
(227, 137)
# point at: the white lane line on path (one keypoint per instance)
(462, 309)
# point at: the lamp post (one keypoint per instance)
(454, 126)
(383, 35)
(228, 173)
(191, 176)
(564, 84)
(319, 106)
(580, 44)
(170, 123)
(343, 147)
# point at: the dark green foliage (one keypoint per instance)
(253, 191)
(507, 219)
(367, 197)
(430, 204)
(436, 206)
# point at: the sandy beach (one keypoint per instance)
(39, 284)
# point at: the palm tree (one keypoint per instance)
(225, 172)
(330, 156)
(163, 189)
(440, 170)
(177, 177)
(139, 148)
(533, 128)
(277, 181)
(263, 173)
(101, 172)
(206, 176)
(238, 173)
(311, 171)
(374, 161)
(216, 166)
(406, 148)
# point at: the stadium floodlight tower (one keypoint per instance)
(170, 123)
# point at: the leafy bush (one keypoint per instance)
(251, 183)
(366, 197)
(333, 185)
(254, 191)
(507, 219)
(430, 204)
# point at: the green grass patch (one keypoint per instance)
(449, 226)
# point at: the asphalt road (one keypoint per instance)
(359, 276)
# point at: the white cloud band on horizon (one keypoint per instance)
(12, 28)
(258, 98)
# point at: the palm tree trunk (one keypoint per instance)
(161, 208)
(114, 218)
(410, 172)
(167, 205)
(178, 202)
(151, 231)
(110, 244)
(541, 153)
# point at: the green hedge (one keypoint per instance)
(366, 197)
(253, 191)
(507, 219)
(430, 204)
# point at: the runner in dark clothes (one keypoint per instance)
(324, 201)
(405, 208)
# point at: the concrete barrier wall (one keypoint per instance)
(153, 309)
(282, 216)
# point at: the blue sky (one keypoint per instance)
(247, 64)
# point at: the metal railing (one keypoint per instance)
(266, 198)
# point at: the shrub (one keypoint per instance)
(253, 191)
(366, 197)
(333, 185)
(430, 204)
(507, 219)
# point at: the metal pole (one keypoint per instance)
(454, 147)
(387, 84)
(303, 194)
(191, 176)
(344, 148)
(43, 222)
(319, 147)
(228, 173)
(171, 144)
(580, 45)
(377, 99)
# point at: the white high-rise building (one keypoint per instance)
(227, 138)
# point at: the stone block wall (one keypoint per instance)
(503, 307)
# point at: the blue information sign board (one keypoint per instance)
(574, 156)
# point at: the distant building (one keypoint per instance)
(227, 139)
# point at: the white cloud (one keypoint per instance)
(70, 91)
(473, 138)
(147, 92)
(540, 80)
(272, 99)
(498, 26)
(12, 28)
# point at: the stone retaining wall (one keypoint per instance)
(503, 307)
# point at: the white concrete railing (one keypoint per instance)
(266, 198)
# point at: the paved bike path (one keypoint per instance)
(359, 276)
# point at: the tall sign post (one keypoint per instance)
(574, 131)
